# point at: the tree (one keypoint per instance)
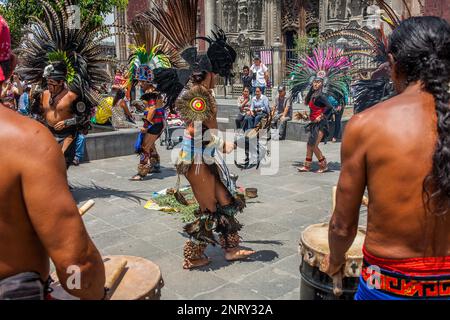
(17, 12)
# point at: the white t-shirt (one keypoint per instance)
(260, 80)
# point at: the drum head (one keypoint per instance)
(138, 281)
(315, 237)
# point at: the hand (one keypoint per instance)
(59, 126)
(329, 267)
(228, 147)
(318, 119)
(143, 130)
(339, 108)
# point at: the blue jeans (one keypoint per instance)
(258, 118)
(248, 123)
(80, 143)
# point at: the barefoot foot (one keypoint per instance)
(238, 254)
(197, 263)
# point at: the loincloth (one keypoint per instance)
(416, 278)
(24, 286)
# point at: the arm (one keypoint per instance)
(266, 74)
(288, 107)
(123, 105)
(55, 217)
(350, 190)
(150, 114)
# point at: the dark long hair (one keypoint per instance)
(120, 94)
(421, 48)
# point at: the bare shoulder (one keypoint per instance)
(21, 135)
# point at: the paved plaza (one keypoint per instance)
(288, 202)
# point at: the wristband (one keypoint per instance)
(70, 122)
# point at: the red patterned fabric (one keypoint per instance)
(426, 266)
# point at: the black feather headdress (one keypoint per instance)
(53, 48)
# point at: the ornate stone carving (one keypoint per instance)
(255, 14)
(243, 15)
(291, 13)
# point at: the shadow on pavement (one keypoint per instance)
(82, 193)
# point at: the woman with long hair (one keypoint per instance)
(321, 75)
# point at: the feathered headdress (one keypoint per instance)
(53, 49)
(327, 65)
(379, 87)
(143, 62)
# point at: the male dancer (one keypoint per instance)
(399, 150)
(39, 219)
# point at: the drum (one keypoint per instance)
(316, 285)
(140, 280)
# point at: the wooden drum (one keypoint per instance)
(140, 280)
(316, 285)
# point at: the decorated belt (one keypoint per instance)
(404, 285)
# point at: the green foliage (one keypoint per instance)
(186, 212)
(305, 43)
(17, 12)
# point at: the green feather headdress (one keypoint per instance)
(61, 56)
(143, 62)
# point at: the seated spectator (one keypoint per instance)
(282, 111)
(103, 113)
(121, 115)
(8, 95)
(244, 103)
(259, 110)
(24, 101)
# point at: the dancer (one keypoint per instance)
(378, 87)
(399, 150)
(142, 64)
(324, 74)
(199, 160)
(66, 63)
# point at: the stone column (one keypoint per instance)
(210, 16)
(277, 64)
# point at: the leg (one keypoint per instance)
(282, 129)
(337, 126)
(322, 161)
(144, 166)
(308, 162)
(80, 145)
(230, 240)
(203, 187)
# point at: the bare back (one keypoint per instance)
(20, 247)
(393, 143)
(39, 219)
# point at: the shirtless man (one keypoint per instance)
(39, 219)
(399, 151)
(57, 110)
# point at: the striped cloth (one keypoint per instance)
(266, 57)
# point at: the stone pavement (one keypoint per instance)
(288, 202)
